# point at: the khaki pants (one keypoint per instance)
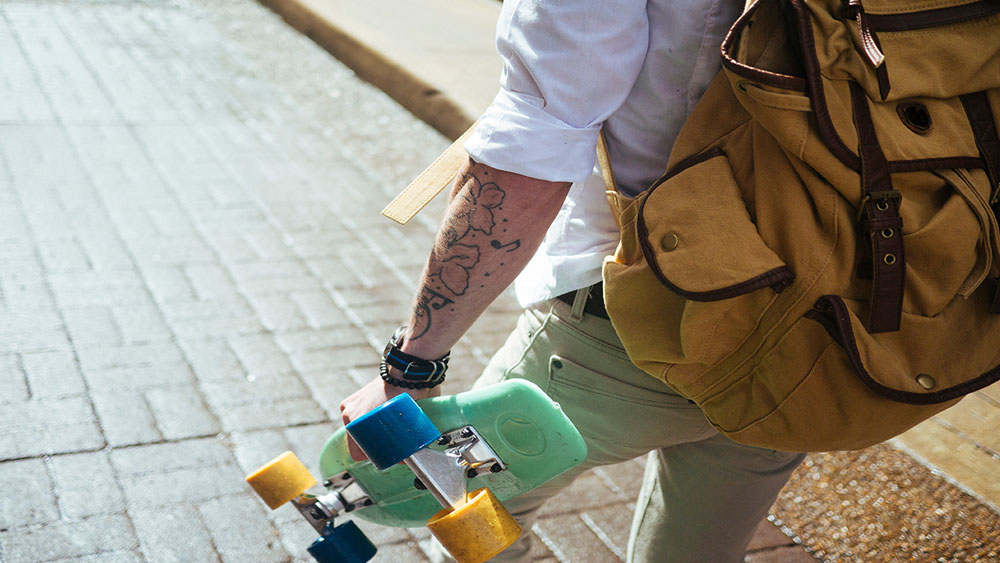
(702, 494)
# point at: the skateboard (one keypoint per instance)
(423, 457)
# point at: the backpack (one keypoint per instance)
(818, 267)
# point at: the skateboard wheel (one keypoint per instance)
(393, 432)
(344, 544)
(281, 480)
(478, 530)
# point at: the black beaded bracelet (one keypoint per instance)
(417, 372)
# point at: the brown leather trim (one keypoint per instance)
(921, 164)
(995, 308)
(824, 124)
(778, 278)
(775, 79)
(932, 18)
(831, 312)
(984, 128)
(879, 215)
(977, 108)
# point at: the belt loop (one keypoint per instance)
(579, 302)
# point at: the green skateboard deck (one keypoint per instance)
(532, 439)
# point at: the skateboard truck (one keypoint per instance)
(443, 473)
(345, 495)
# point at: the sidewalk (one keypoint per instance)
(954, 457)
(193, 274)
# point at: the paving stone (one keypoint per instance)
(141, 324)
(106, 557)
(53, 374)
(134, 366)
(68, 539)
(569, 538)
(624, 479)
(34, 501)
(260, 356)
(212, 360)
(211, 319)
(83, 289)
(319, 309)
(176, 250)
(331, 387)
(241, 531)
(307, 340)
(182, 486)
(92, 326)
(587, 492)
(173, 535)
(126, 418)
(13, 381)
(180, 413)
(24, 287)
(168, 284)
(336, 359)
(278, 312)
(232, 248)
(85, 485)
(611, 525)
(48, 426)
(308, 440)
(170, 456)
(268, 244)
(32, 331)
(270, 414)
(210, 281)
(63, 256)
(257, 447)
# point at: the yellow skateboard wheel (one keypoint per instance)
(476, 531)
(281, 480)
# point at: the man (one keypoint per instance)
(636, 68)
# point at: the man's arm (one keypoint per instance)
(494, 224)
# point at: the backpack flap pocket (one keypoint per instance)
(698, 237)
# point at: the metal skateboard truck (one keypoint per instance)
(506, 439)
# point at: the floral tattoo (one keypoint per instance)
(453, 264)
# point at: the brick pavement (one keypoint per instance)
(193, 274)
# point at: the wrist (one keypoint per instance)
(405, 370)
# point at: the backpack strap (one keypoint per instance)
(977, 108)
(879, 217)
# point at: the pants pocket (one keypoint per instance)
(620, 420)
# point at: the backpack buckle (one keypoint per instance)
(880, 197)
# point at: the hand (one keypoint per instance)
(370, 396)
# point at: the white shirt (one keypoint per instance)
(636, 67)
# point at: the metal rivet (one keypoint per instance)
(556, 364)
(669, 241)
(887, 233)
(926, 381)
(882, 206)
(889, 259)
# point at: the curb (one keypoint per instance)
(369, 60)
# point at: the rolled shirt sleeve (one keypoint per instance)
(567, 66)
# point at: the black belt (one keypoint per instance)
(595, 300)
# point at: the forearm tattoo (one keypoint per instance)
(452, 268)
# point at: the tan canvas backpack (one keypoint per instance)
(818, 267)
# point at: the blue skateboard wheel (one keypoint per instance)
(393, 432)
(344, 544)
